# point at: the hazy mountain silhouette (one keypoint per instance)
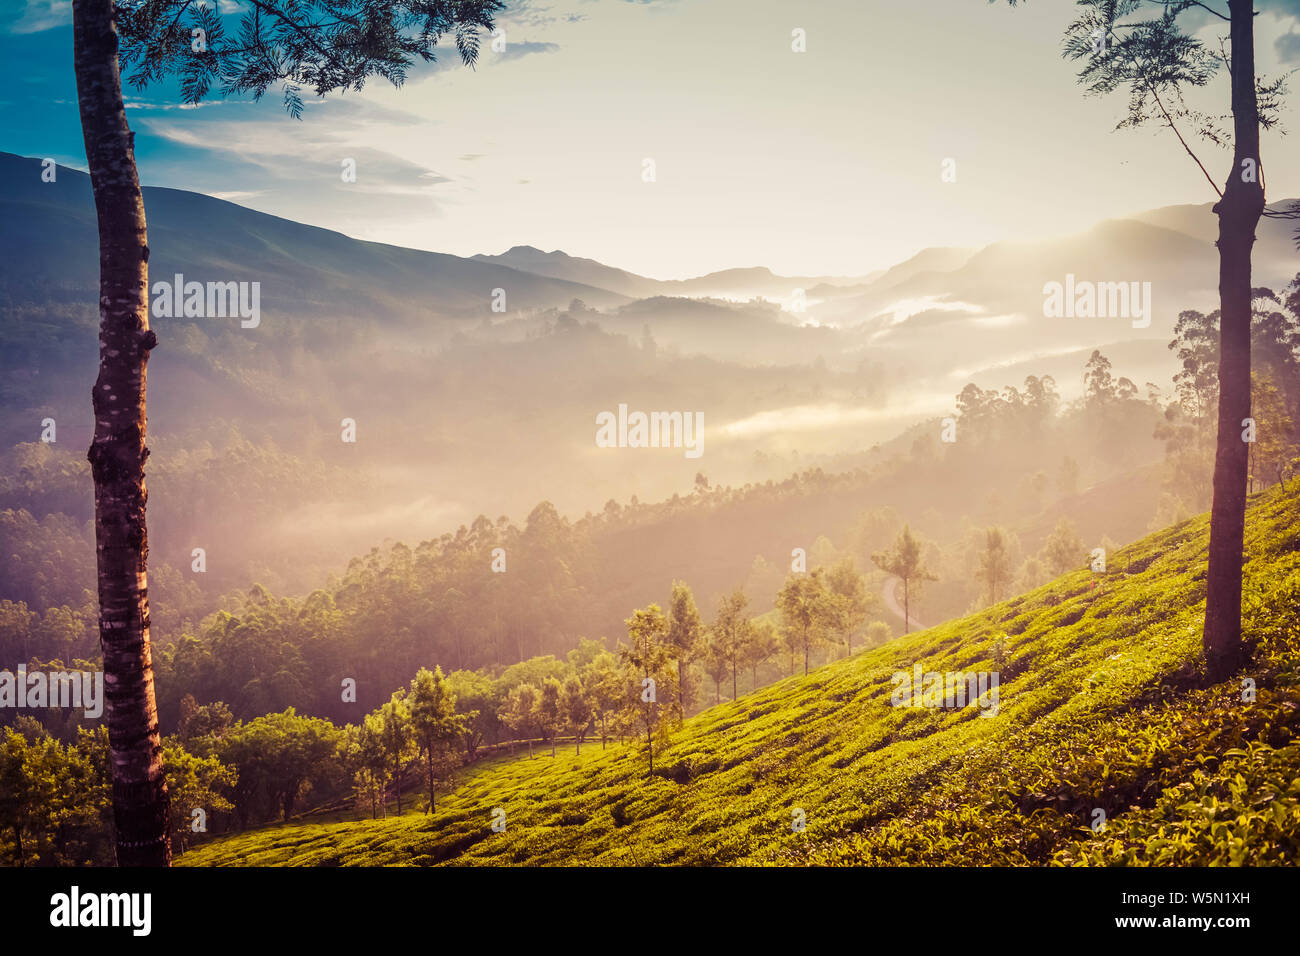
(730, 283)
(48, 234)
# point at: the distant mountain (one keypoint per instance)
(560, 265)
(48, 237)
(728, 283)
(1275, 247)
(1171, 247)
(987, 313)
(933, 259)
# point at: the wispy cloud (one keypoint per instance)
(235, 195)
(515, 51)
(1287, 47)
(40, 15)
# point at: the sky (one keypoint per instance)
(822, 162)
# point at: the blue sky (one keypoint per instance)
(821, 162)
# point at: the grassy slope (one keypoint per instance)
(1098, 711)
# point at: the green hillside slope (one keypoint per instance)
(1099, 710)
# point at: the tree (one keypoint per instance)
(1099, 384)
(478, 700)
(397, 737)
(732, 632)
(1188, 426)
(1064, 550)
(434, 721)
(716, 663)
(994, 563)
(760, 647)
(117, 452)
(273, 44)
(604, 686)
(1188, 429)
(878, 632)
(806, 610)
(194, 783)
(520, 713)
(903, 561)
(576, 706)
(278, 754)
(1156, 60)
(364, 755)
(684, 633)
(28, 787)
(550, 710)
(1032, 574)
(208, 720)
(646, 659)
(849, 600)
(1275, 445)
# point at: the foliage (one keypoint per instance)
(1095, 713)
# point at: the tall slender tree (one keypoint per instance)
(646, 660)
(807, 610)
(329, 45)
(520, 713)
(398, 737)
(903, 560)
(731, 632)
(684, 634)
(1157, 61)
(434, 721)
(576, 705)
(117, 453)
(995, 569)
(550, 710)
(850, 602)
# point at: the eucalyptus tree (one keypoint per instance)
(1149, 50)
(321, 45)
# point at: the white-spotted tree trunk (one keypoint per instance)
(118, 452)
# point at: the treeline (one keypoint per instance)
(47, 547)
(226, 773)
(1190, 421)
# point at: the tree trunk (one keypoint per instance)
(681, 691)
(907, 607)
(733, 679)
(117, 453)
(397, 781)
(1239, 211)
(432, 805)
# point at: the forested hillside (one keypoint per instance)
(1044, 482)
(1100, 749)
